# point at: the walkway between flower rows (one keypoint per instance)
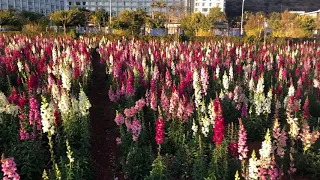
(104, 150)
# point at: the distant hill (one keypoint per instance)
(233, 7)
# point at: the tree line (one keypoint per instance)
(284, 24)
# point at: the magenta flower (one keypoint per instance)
(306, 109)
(130, 86)
(34, 113)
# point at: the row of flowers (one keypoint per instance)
(194, 84)
(43, 102)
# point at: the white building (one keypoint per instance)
(41, 6)
(204, 6)
(119, 5)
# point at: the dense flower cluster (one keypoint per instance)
(9, 169)
(47, 117)
(242, 147)
(218, 131)
(159, 130)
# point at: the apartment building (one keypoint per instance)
(41, 6)
(119, 5)
(204, 6)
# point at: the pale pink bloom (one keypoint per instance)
(242, 147)
(180, 110)
(153, 102)
(135, 129)
(168, 79)
(118, 141)
(147, 98)
(119, 119)
(173, 102)
(280, 138)
(128, 124)
(140, 104)
(130, 112)
(155, 76)
(204, 80)
(9, 169)
(164, 101)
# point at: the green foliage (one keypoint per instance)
(159, 4)
(194, 22)
(309, 164)
(216, 15)
(9, 17)
(159, 170)
(307, 24)
(67, 18)
(218, 167)
(255, 25)
(291, 25)
(138, 162)
(199, 167)
(99, 17)
(275, 24)
(130, 20)
(157, 21)
(33, 17)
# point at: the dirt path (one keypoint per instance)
(104, 150)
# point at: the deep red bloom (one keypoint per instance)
(218, 131)
(57, 118)
(32, 82)
(306, 109)
(233, 149)
(159, 130)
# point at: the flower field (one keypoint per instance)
(222, 109)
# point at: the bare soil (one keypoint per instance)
(104, 150)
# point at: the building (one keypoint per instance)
(41, 6)
(119, 5)
(233, 7)
(314, 14)
(204, 6)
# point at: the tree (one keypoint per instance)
(85, 17)
(130, 20)
(99, 17)
(195, 22)
(274, 23)
(307, 24)
(67, 18)
(176, 12)
(33, 19)
(318, 24)
(159, 5)
(216, 15)
(9, 17)
(255, 24)
(158, 21)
